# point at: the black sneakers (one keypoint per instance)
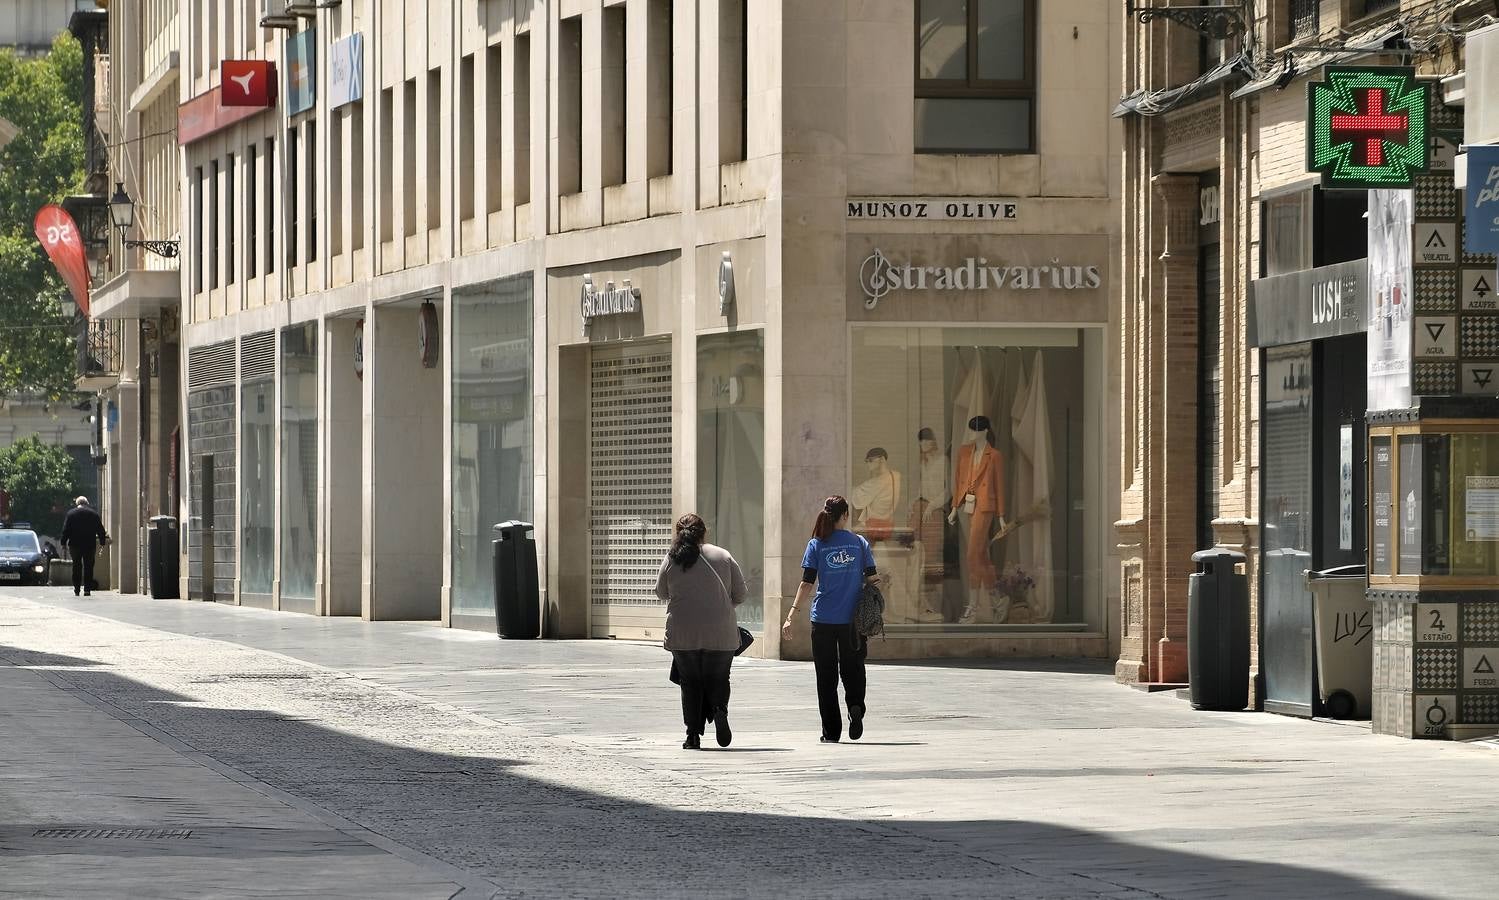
(692, 743)
(721, 728)
(855, 722)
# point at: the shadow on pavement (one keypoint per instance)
(530, 836)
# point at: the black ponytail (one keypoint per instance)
(687, 546)
(833, 511)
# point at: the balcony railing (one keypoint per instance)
(98, 354)
(1304, 19)
(1378, 6)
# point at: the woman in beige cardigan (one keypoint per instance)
(701, 585)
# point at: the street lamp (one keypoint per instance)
(122, 213)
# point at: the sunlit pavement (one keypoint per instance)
(167, 748)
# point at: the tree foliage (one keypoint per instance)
(42, 97)
(39, 478)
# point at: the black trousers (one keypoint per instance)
(705, 684)
(83, 567)
(838, 651)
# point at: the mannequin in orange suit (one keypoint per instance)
(978, 500)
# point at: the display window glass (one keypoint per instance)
(299, 453)
(731, 455)
(976, 473)
(492, 423)
(257, 501)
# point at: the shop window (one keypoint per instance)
(976, 475)
(257, 486)
(492, 425)
(299, 458)
(1313, 227)
(975, 76)
(731, 455)
(1209, 362)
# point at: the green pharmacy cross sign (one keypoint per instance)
(1367, 127)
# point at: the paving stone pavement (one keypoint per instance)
(551, 769)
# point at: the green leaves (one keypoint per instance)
(40, 480)
(41, 165)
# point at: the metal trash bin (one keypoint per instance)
(517, 598)
(1343, 626)
(162, 557)
(1218, 631)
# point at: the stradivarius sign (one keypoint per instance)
(879, 276)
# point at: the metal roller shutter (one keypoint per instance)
(630, 476)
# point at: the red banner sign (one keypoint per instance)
(247, 82)
(64, 245)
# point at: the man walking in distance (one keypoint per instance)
(82, 533)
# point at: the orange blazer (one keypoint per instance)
(986, 481)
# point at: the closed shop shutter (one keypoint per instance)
(630, 477)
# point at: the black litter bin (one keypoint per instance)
(161, 557)
(517, 599)
(1218, 631)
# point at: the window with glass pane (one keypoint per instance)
(257, 499)
(491, 446)
(299, 455)
(731, 455)
(975, 76)
(1288, 233)
(975, 475)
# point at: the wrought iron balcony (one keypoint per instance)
(98, 354)
(1305, 19)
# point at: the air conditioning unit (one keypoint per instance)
(273, 14)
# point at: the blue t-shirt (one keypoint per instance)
(840, 561)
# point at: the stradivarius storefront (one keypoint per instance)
(976, 453)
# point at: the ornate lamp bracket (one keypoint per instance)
(1217, 21)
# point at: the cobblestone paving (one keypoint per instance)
(538, 805)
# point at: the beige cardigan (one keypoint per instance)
(700, 601)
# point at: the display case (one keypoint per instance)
(1433, 563)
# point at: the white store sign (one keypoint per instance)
(346, 70)
(879, 276)
(933, 209)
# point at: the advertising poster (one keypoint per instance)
(1481, 509)
(1481, 200)
(1379, 507)
(1389, 336)
(301, 71)
(1345, 487)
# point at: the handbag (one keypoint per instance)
(745, 638)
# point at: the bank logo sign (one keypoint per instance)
(879, 276)
(1367, 127)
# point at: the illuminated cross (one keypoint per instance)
(1373, 126)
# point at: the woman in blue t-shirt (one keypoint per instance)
(837, 562)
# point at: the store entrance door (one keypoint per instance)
(1287, 495)
(629, 488)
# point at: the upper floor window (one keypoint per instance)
(975, 76)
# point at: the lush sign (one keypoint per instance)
(1367, 127)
